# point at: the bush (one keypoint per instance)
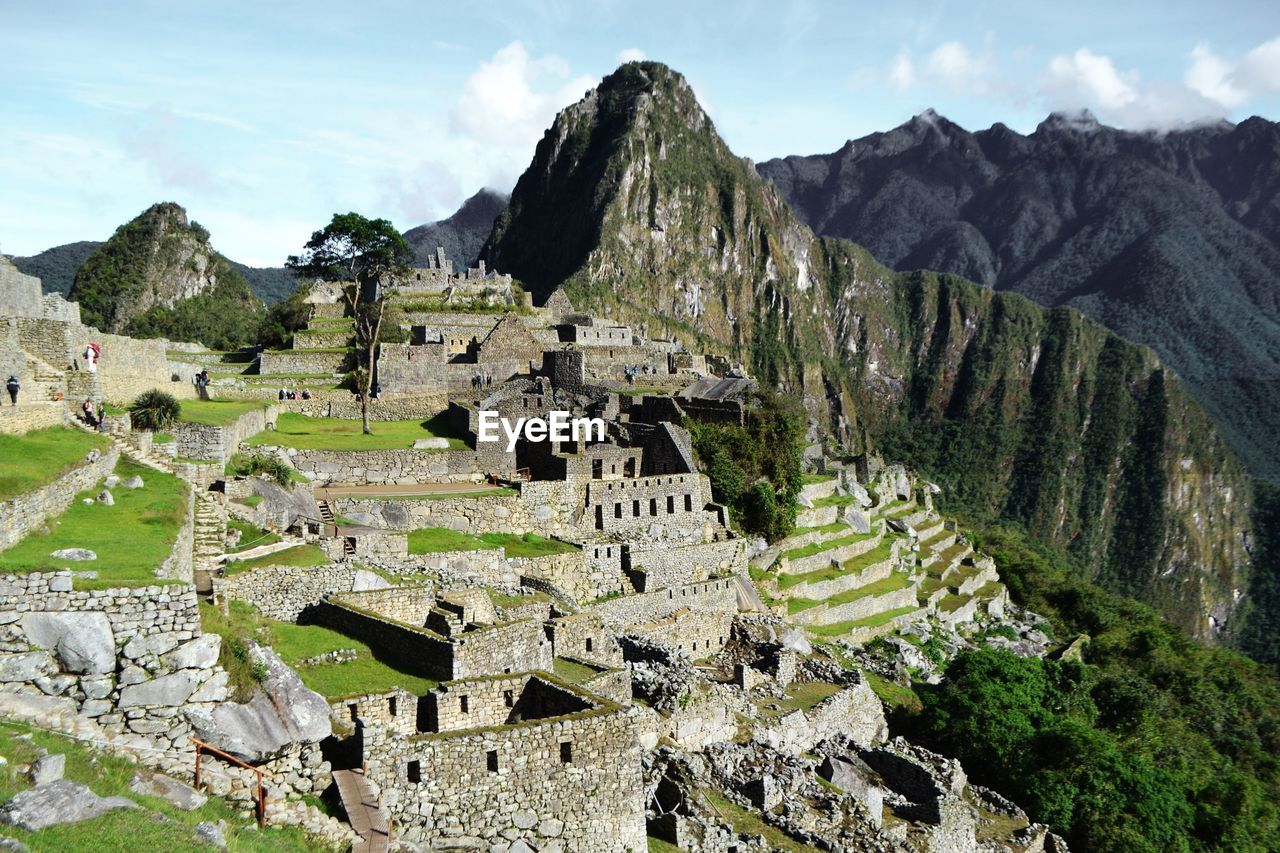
(154, 410)
(247, 466)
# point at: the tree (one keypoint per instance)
(364, 255)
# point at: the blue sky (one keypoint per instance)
(264, 118)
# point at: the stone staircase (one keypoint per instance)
(210, 536)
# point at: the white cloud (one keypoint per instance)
(1087, 79)
(632, 54)
(902, 71)
(511, 99)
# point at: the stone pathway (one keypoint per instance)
(332, 492)
(362, 811)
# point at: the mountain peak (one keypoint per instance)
(1070, 121)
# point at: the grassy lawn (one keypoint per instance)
(295, 643)
(834, 500)
(501, 599)
(218, 412)
(131, 538)
(303, 433)
(835, 629)
(953, 602)
(893, 694)
(895, 581)
(433, 540)
(657, 845)
(796, 605)
(574, 671)
(850, 566)
(155, 826)
(936, 538)
(40, 457)
(813, 479)
(299, 555)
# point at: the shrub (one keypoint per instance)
(154, 410)
(247, 466)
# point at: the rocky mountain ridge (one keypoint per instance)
(1169, 239)
(462, 234)
(636, 207)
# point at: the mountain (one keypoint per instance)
(158, 276)
(462, 234)
(635, 206)
(56, 268)
(1170, 239)
(270, 284)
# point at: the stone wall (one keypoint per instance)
(273, 362)
(28, 416)
(487, 564)
(512, 647)
(409, 605)
(179, 565)
(699, 633)
(284, 592)
(859, 608)
(385, 408)
(717, 596)
(19, 293)
(667, 564)
(519, 782)
(416, 651)
(649, 507)
(528, 512)
(568, 571)
(24, 513)
(382, 467)
(822, 559)
(855, 711)
(585, 637)
(218, 443)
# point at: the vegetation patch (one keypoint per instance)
(299, 555)
(828, 544)
(575, 672)
(132, 538)
(42, 456)
(835, 629)
(218, 412)
(304, 433)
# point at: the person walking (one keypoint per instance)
(86, 411)
(12, 387)
(102, 416)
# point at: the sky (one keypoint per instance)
(263, 119)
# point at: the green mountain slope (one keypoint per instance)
(638, 208)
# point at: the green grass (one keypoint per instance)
(251, 536)
(747, 822)
(573, 671)
(303, 433)
(251, 501)
(218, 412)
(501, 599)
(893, 583)
(827, 545)
(796, 605)
(131, 538)
(936, 538)
(299, 555)
(951, 554)
(893, 694)
(851, 566)
(657, 845)
(161, 438)
(803, 696)
(433, 540)
(833, 500)
(157, 825)
(814, 479)
(295, 643)
(835, 629)
(40, 457)
(953, 602)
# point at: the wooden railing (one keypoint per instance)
(202, 747)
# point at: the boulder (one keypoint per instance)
(431, 444)
(795, 640)
(167, 788)
(285, 505)
(167, 691)
(200, 653)
(80, 555)
(27, 666)
(281, 713)
(83, 642)
(111, 482)
(105, 498)
(857, 518)
(212, 833)
(134, 482)
(56, 803)
(366, 580)
(153, 644)
(48, 768)
(852, 775)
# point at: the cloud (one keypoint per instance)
(951, 67)
(902, 71)
(1233, 84)
(1086, 79)
(632, 54)
(511, 99)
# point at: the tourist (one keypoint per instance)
(102, 417)
(306, 395)
(12, 386)
(281, 393)
(86, 412)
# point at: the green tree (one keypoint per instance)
(154, 410)
(366, 256)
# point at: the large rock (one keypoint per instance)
(281, 713)
(200, 653)
(27, 666)
(365, 580)
(431, 444)
(285, 506)
(56, 803)
(159, 785)
(106, 498)
(48, 768)
(83, 642)
(134, 482)
(167, 691)
(80, 555)
(852, 775)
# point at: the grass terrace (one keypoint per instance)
(851, 566)
(299, 555)
(835, 629)
(501, 599)
(251, 535)
(218, 412)
(802, 697)
(296, 643)
(833, 500)
(747, 822)
(575, 672)
(304, 433)
(828, 545)
(157, 825)
(433, 540)
(40, 457)
(893, 583)
(813, 479)
(131, 538)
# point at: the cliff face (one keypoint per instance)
(634, 204)
(462, 234)
(1172, 239)
(156, 260)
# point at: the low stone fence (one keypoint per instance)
(178, 565)
(822, 559)
(218, 443)
(859, 608)
(386, 408)
(700, 634)
(381, 467)
(25, 417)
(835, 586)
(671, 564)
(818, 516)
(284, 592)
(272, 362)
(24, 513)
(612, 684)
(487, 564)
(567, 571)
